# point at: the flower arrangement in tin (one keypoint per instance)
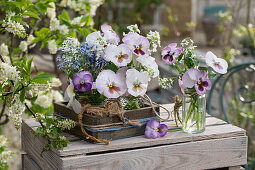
(194, 76)
(104, 66)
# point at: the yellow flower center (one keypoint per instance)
(199, 82)
(157, 129)
(216, 63)
(110, 85)
(137, 85)
(120, 56)
(82, 82)
(137, 48)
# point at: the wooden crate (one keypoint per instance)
(60, 110)
(221, 145)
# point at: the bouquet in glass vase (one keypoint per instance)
(194, 77)
(105, 70)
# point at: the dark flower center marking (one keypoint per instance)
(217, 64)
(121, 57)
(113, 88)
(138, 50)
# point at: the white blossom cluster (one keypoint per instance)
(30, 39)
(23, 46)
(52, 46)
(4, 50)
(154, 38)
(5, 155)
(39, 116)
(55, 25)
(66, 124)
(51, 12)
(132, 29)
(77, 21)
(62, 138)
(187, 43)
(46, 95)
(8, 72)
(166, 82)
(15, 110)
(3, 140)
(14, 27)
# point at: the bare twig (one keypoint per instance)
(41, 123)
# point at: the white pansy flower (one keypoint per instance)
(137, 82)
(4, 50)
(54, 24)
(219, 65)
(51, 12)
(70, 98)
(23, 46)
(52, 46)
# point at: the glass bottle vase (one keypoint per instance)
(193, 113)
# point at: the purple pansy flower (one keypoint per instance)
(83, 81)
(170, 52)
(154, 129)
(111, 85)
(138, 44)
(218, 64)
(197, 78)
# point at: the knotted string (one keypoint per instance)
(175, 112)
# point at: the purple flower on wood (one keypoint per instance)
(197, 78)
(170, 52)
(154, 129)
(83, 81)
(138, 44)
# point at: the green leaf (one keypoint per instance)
(42, 77)
(29, 64)
(22, 95)
(202, 68)
(180, 57)
(31, 14)
(188, 61)
(16, 88)
(64, 18)
(42, 8)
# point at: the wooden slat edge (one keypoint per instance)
(207, 154)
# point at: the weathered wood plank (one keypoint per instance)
(33, 147)
(212, 132)
(29, 164)
(206, 154)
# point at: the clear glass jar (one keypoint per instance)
(193, 113)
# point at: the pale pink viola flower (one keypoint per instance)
(219, 65)
(110, 36)
(137, 82)
(119, 55)
(138, 44)
(111, 85)
(170, 53)
(197, 78)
